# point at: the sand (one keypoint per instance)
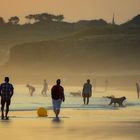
(117, 124)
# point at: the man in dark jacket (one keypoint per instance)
(57, 94)
(6, 92)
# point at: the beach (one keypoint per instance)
(78, 58)
(118, 124)
(96, 121)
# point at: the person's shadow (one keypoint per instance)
(56, 120)
(5, 122)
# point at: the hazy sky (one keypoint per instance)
(73, 10)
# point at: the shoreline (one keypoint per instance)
(111, 115)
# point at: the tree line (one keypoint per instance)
(33, 18)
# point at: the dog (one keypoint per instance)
(75, 93)
(116, 100)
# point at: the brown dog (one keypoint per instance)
(116, 100)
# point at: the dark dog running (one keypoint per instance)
(116, 100)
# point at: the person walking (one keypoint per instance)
(87, 92)
(6, 93)
(138, 90)
(57, 94)
(45, 88)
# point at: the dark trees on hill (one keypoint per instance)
(2, 20)
(30, 18)
(59, 18)
(14, 20)
(99, 22)
(44, 17)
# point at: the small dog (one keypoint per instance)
(116, 100)
(75, 93)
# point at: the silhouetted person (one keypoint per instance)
(57, 94)
(106, 85)
(138, 89)
(6, 92)
(45, 88)
(31, 89)
(87, 92)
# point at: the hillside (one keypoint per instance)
(14, 34)
(90, 54)
(73, 49)
(134, 22)
(11, 35)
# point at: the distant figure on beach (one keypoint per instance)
(138, 89)
(31, 89)
(106, 85)
(87, 92)
(76, 94)
(57, 94)
(45, 88)
(6, 93)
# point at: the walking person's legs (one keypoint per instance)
(32, 92)
(84, 99)
(57, 112)
(138, 94)
(7, 109)
(2, 109)
(45, 92)
(56, 107)
(87, 100)
(42, 92)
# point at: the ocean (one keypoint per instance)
(22, 101)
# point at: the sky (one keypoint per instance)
(73, 10)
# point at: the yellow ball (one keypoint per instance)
(42, 112)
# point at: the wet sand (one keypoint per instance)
(117, 124)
